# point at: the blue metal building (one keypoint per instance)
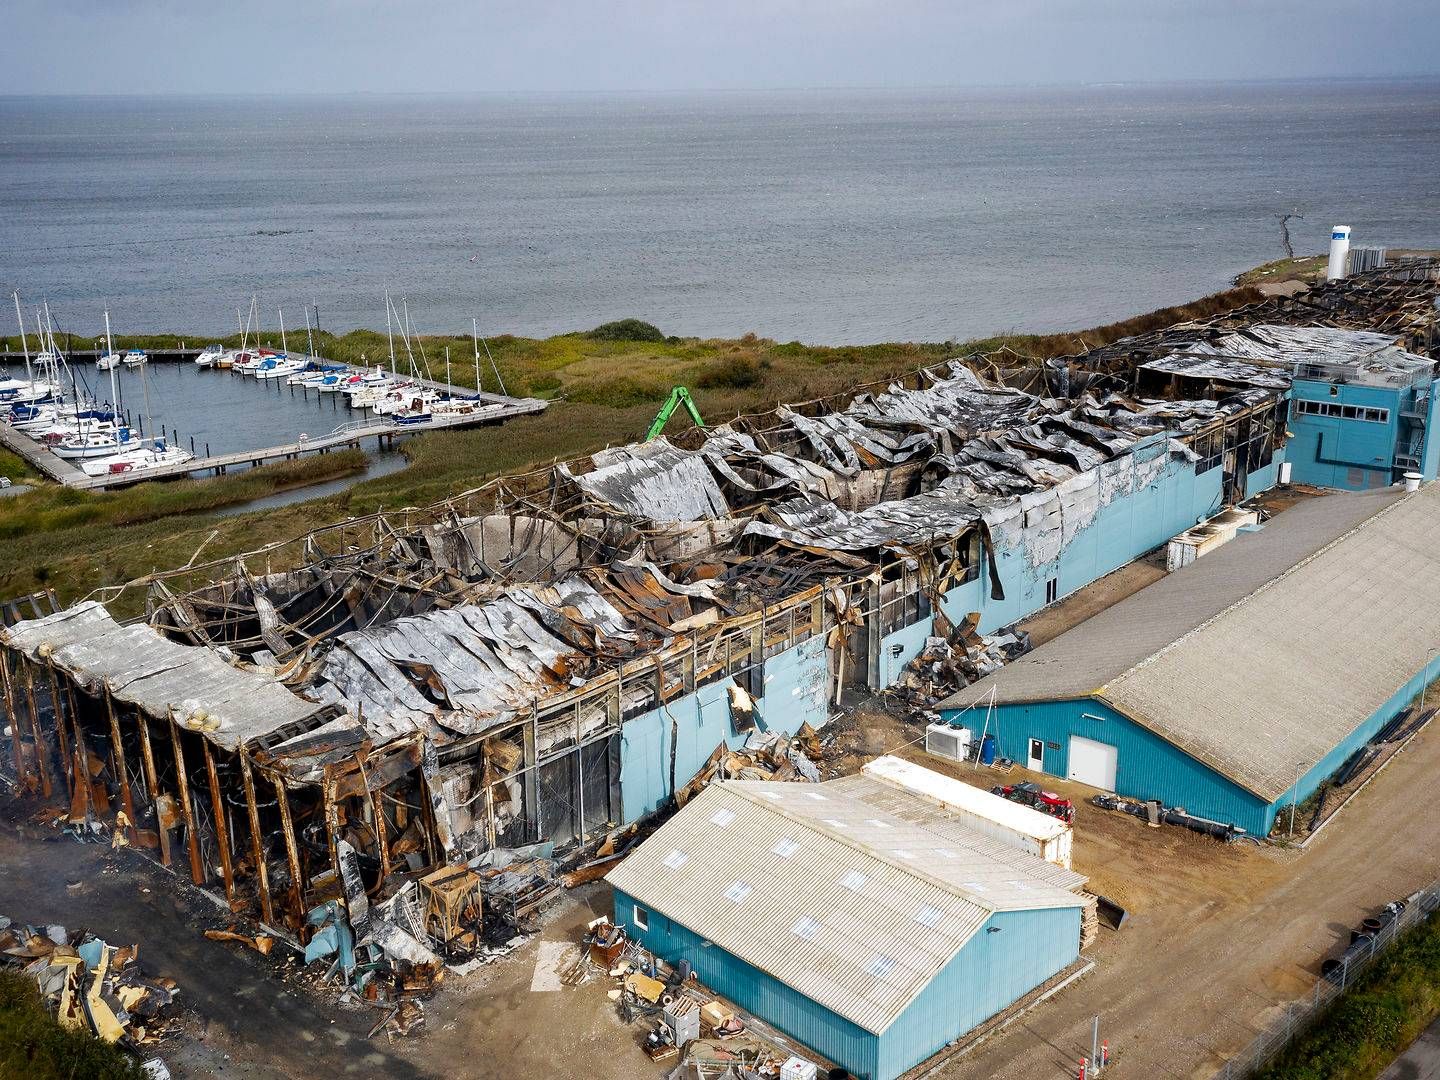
(869, 938)
(1237, 685)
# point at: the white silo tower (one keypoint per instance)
(1339, 250)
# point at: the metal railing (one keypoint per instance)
(1299, 1015)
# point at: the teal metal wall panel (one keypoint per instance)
(911, 640)
(1014, 952)
(1334, 452)
(1430, 460)
(796, 683)
(795, 1014)
(992, 971)
(1121, 532)
(797, 687)
(1147, 767)
(1264, 479)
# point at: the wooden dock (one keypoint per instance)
(494, 410)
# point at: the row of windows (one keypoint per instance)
(1344, 412)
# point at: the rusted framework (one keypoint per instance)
(465, 670)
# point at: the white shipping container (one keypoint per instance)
(1021, 827)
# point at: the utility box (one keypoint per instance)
(951, 743)
(797, 1069)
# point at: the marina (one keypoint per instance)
(161, 415)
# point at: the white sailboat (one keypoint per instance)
(101, 442)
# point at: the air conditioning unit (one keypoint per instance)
(952, 743)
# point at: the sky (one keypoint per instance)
(348, 46)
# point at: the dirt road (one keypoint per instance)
(1220, 937)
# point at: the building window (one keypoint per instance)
(1052, 590)
(642, 918)
(1342, 412)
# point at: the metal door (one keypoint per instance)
(1093, 762)
(1036, 762)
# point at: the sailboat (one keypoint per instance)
(45, 390)
(103, 439)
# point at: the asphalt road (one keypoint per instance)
(1421, 1061)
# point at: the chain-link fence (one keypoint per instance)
(1336, 976)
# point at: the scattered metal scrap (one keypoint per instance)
(91, 985)
(947, 664)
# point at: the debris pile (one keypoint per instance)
(91, 985)
(703, 1034)
(947, 664)
(768, 756)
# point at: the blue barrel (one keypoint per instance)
(987, 750)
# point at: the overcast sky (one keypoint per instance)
(229, 46)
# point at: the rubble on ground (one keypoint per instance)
(706, 1036)
(951, 662)
(767, 756)
(91, 985)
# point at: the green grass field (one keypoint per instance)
(604, 390)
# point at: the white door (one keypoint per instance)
(1036, 762)
(1093, 762)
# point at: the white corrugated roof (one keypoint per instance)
(146, 669)
(965, 797)
(849, 905)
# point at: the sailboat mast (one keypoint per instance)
(110, 351)
(475, 340)
(390, 329)
(24, 345)
(283, 347)
(309, 338)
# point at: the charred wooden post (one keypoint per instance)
(382, 838)
(197, 865)
(80, 763)
(292, 851)
(17, 744)
(41, 746)
(257, 848)
(152, 783)
(122, 771)
(222, 822)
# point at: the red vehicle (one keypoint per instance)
(1032, 795)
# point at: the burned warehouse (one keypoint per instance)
(555, 655)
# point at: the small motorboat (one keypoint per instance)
(134, 358)
(209, 356)
(280, 367)
(109, 362)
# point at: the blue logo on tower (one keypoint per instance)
(1337, 235)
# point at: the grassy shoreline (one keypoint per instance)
(604, 390)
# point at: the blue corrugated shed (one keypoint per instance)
(1207, 691)
(1014, 952)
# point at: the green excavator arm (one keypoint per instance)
(678, 396)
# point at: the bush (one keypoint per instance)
(735, 372)
(33, 1045)
(626, 330)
